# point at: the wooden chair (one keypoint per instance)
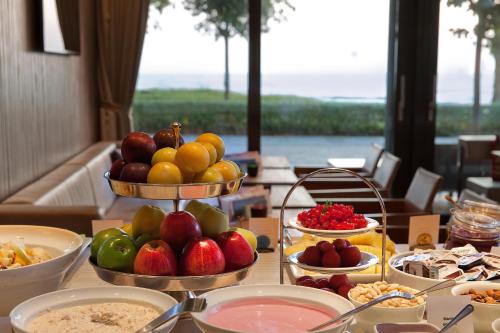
(368, 169)
(349, 187)
(417, 201)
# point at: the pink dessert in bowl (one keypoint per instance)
(270, 308)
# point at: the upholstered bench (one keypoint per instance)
(73, 195)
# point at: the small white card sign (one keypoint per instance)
(423, 231)
(441, 309)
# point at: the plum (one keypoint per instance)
(325, 246)
(311, 256)
(331, 259)
(351, 256)
(337, 280)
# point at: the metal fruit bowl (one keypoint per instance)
(173, 283)
(175, 191)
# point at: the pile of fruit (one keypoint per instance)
(370, 242)
(194, 242)
(338, 284)
(332, 217)
(340, 253)
(157, 160)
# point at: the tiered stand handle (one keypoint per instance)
(332, 170)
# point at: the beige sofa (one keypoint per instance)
(73, 195)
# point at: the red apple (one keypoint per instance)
(237, 251)
(155, 258)
(178, 229)
(202, 256)
(116, 169)
(350, 256)
(135, 172)
(138, 147)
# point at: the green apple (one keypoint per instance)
(213, 221)
(248, 235)
(147, 220)
(145, 238)
(117, 253)
(195, 207)
(101, 236)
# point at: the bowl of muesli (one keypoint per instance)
(89, 310)
(33, 261)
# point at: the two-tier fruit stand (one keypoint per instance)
(367, 259)
(178, 286)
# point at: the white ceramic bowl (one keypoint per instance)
(19, 284)
(416, 282)
(326, 298)
(379, 314)
(495, 325)
(410, 327)
(483, 314)
(21, 315)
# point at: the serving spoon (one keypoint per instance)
(467, 310)
(189, 305)
(394, 294)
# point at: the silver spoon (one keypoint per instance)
(189, 305)
(467, 310)
(435, 287)
(394, 294)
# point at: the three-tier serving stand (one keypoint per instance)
(180, 287)
(285, 225)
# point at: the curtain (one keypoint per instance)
(121, 26)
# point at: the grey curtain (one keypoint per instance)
(121, 26)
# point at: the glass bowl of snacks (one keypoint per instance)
(394, 310)
(485, 297)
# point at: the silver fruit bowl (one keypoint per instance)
(175, 191)
(173, 283)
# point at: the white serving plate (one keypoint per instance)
(21, 315)
(19, 284)
(295, 223)
(297, 272)
(219, 296)
(367, 260)
(484, 314)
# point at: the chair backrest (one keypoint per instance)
(423, 188)
(467, 194)
(386, 172)
(372, 159)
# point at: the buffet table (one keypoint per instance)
(82, 275)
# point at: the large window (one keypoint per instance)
(183, 73)
(324, 80)
(468, 88)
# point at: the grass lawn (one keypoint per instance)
(206, 110)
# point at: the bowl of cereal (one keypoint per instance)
(33, 261)
(396, 310)
(99, 309)
(485, 297)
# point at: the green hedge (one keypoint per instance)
(206, 110)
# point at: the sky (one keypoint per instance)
(319, 37)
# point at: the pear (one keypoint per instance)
(213, 221)
(195, 207)
(147, 220)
